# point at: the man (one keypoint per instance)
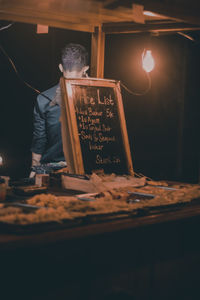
(47, 140)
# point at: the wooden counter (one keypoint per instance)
(58, 234)
(148, 257)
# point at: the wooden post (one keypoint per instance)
(97, 53)
(180, 140)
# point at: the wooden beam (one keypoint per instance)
(45, 21)
(64, 16)
(61, 19)
(160, 26)
(188, 11)
(97, 53)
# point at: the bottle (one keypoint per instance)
(2, 189)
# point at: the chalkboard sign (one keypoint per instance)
(93, 126)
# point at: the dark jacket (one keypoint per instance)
(47, 139)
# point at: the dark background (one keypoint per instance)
(163, 125)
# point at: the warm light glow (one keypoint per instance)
(148, 62)
(153, 15)
(149, 13)
(1, 160)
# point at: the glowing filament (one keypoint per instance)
(148, 62)
(1, 160)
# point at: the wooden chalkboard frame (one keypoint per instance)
(70, 135)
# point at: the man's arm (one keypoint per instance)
(39, 132)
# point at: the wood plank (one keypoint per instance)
(97, 53)
(124, 131)
(188, 11)
(93, 17)
(160, 26)
(63, 19)
(49, 22)
(81, 16)
(44, 238)
(66, 127)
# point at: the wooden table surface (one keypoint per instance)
(21, 239)
(156, 256)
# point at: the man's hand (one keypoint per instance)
(32, 174)
(36, 159)
(35, 162)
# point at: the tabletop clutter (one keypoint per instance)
(90, 196)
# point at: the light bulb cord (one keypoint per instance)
(137, 93)
(19, 76)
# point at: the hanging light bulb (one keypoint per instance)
(148, 62)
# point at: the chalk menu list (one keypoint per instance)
(99, 129)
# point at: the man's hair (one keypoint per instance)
(74, 57)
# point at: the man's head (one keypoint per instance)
(74, 61)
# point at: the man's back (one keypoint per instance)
(47, 139)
